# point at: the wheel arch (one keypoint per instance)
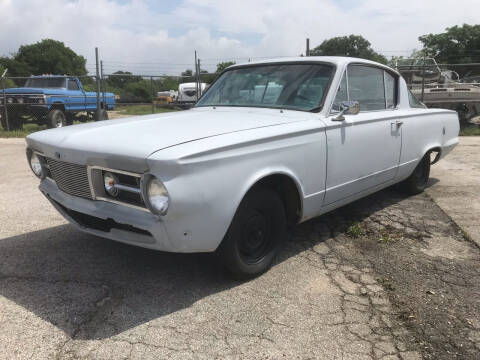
(286, 185)
(57, 106)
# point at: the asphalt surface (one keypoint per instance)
(69, 295)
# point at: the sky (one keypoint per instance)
(160, 37)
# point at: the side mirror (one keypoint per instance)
(348, 108)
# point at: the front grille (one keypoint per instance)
(70, 178)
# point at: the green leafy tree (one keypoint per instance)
(51, 57)
(120, 79)
(352, 45)
(457, 45)
(223, 65)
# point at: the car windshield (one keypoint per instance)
(289, 86)
(46, 83)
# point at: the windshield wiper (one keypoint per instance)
(316, 109)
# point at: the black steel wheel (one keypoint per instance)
(256, 231)
(417, 182)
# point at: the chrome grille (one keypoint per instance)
(70, 178)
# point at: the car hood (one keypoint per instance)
(27, 90)
(138, 137)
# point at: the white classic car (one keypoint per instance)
(270, 144)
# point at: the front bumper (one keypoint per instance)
(116, 222)
(26, 109)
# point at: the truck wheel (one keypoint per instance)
(256, 231)
(56, 119)
(417, 182)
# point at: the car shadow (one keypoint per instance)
(93, 288)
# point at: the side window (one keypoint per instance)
(72, 85)
(366, 85)
(390, 90)
(341, 95)
(414, 102)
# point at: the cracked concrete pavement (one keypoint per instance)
(65, 294)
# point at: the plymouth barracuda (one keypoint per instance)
(270, 144)
(52, 100)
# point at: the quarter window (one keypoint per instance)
(390, 90)
(342, 94)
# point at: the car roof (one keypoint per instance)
(336, 60)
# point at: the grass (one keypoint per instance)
(471, 130)
(27, 129)
(140, 109)
(355, 230)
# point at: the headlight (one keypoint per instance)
(10, 100)
(35, 164)
(155, 195)
(110, 181)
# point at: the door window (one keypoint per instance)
(72, 85)
(366, 85)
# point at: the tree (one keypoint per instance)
(457, 45)
(352, 45)
(45, 57)
(223, 65)
(118, 81)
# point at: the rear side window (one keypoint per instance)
(390, 92)
(414, 102)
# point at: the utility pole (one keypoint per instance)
(307, 51)
(97, 113)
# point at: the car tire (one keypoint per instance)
(56, 119)
(417, 182)
(252, 240)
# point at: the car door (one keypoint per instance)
(363, 149)
(76, 97)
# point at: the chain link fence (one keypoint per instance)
(48, 101)
(448, 86)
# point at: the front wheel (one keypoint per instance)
(56, 119)
(256, 231)
(417, 182)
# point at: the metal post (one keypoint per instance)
(103, 85)
(196, 76)
(307, 51)
(423, 78)
(5, 100)
(151, 94)
(97, 113)
(199, 81)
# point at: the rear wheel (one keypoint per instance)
(56, 119)
(256, 231)
(417, 182)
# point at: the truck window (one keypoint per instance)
(72, 85)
